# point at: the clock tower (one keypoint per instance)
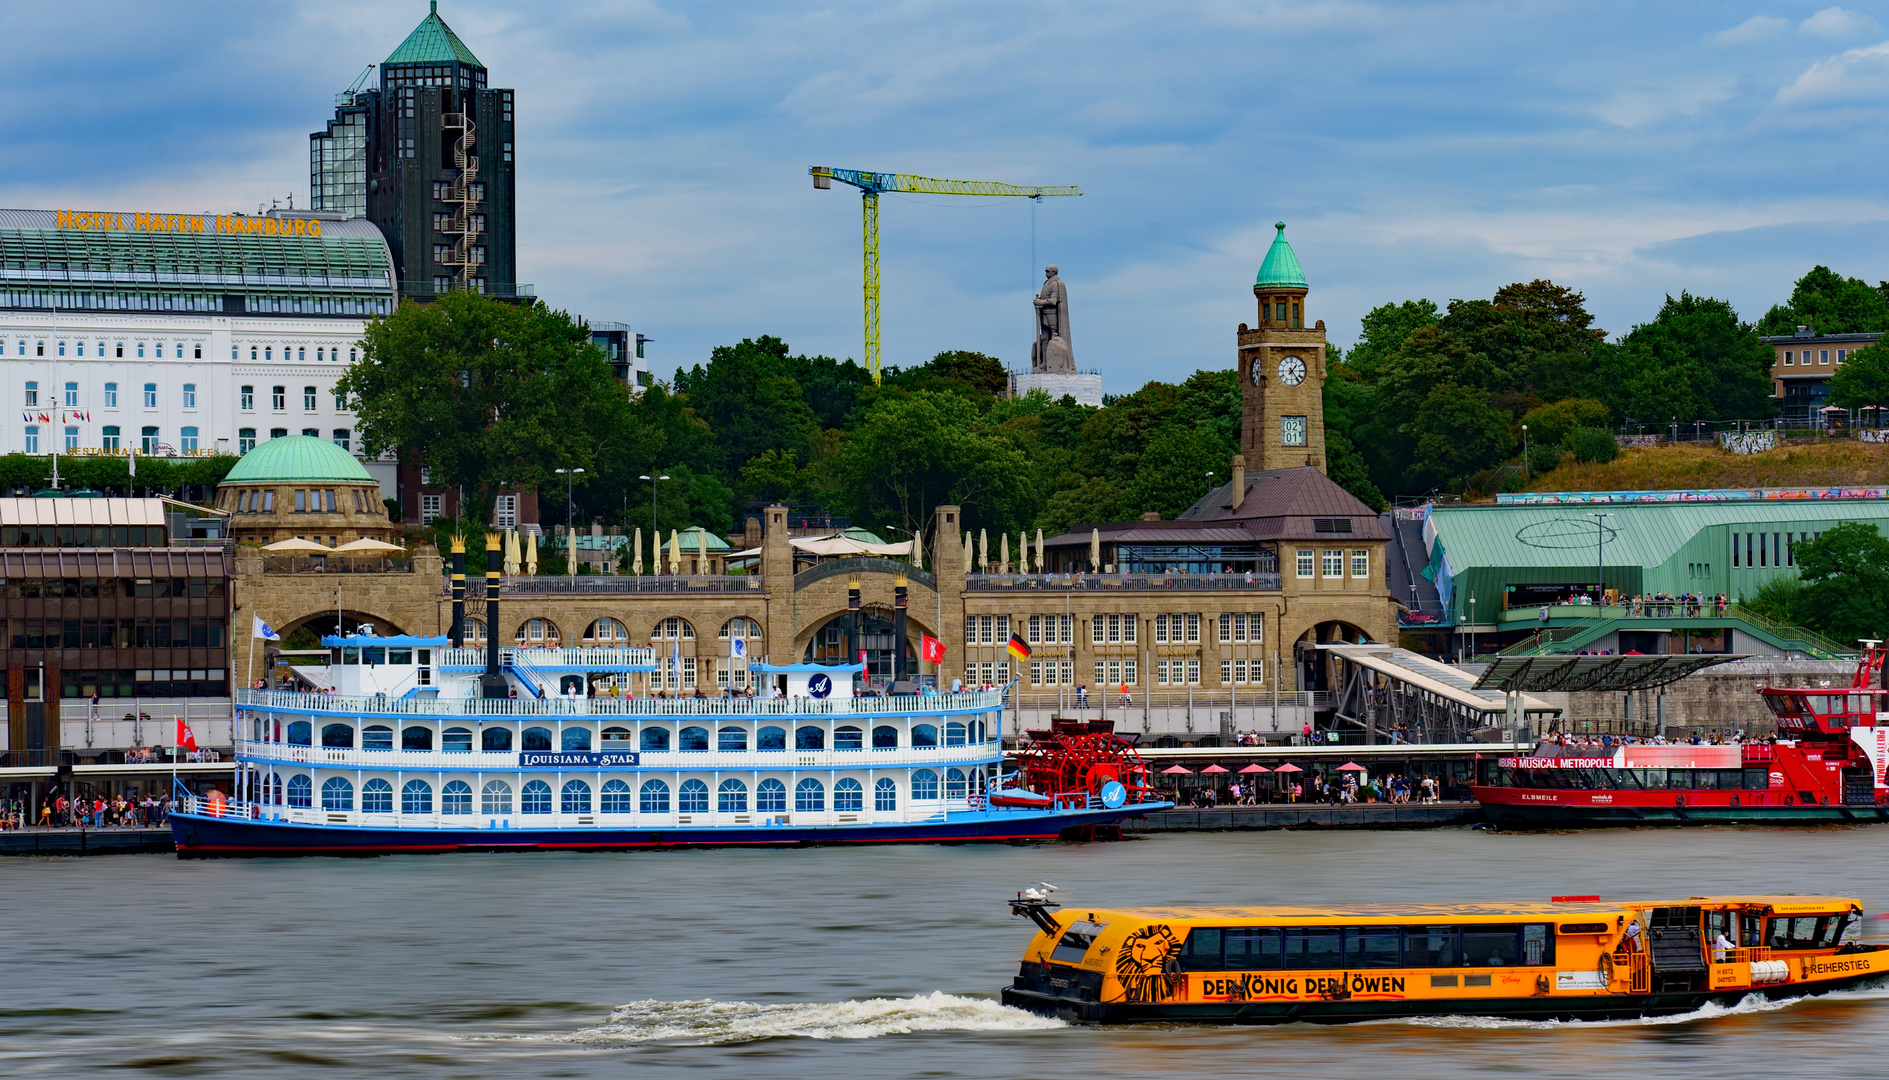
(1282, 370)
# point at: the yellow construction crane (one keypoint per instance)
(870, 185)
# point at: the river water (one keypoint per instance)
(829, 962)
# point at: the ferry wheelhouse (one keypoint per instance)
(1575, 958)
(424, 747)
(1827, 765)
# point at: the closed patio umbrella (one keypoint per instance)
(636, 561)
(1003, 554)
(1095, 551)
(531, 555)
(701, 548)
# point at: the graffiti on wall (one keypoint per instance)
(1747, 442)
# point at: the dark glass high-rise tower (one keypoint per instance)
(428, 157)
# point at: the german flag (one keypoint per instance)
(1018, 648)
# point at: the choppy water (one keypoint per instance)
(828, 963)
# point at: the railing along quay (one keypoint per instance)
(1121, 582)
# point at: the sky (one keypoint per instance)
(1434, 150)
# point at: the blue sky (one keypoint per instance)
(1416, 150)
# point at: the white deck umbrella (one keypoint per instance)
(366, 544)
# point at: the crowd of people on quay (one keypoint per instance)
(1351, 788)
(1653, 605)
(60, 812)
(1610, 742)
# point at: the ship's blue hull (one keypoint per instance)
(203, 836)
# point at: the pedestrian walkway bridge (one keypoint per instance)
(1394, 693)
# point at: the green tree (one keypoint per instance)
(1694, 361)
(1846, 582)
(1384, 330)
(775, 476)
(1591, 446)
(1863, 379)
(750, 398)
(1829, 303)
(1459, 433)
(1548, 425)
(909, 455)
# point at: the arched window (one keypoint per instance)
(337, 736)
(848, 796)
(740, 627)
(538, 633)
(576, 740)
(472, 630)
(416, 738)
(655, 797)
(848, 738)
(655, 741)
(955, 785)
(373, 737)
(616, 797)
(809, 738)
(456, 740)
(416, 797)
(693, 798)
(770, 797)
(496, 740)
(692, 738)
(535, 799)
(977, 731)
(377, 797)
(536, 738)
(673, 629)
(732, 797)
(731, 739)
(885, 795)
(337, 794)
(616, 738)
(272, 789)
(885, 737)
(954, 734)
(809, 795)
(496, 798)
(770, 738)
(606, 632)
(924, 784)
(301, 792)
(575, 798)
(298, 733)
(456, 798)
(924, 736)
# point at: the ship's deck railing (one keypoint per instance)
(591, 658)
(981, 701)
(965, 755)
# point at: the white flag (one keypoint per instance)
(263, 630)
(131, 462)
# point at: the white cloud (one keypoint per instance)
(1631, 108)
(1835, 22)
(1756, 28)
(1852, 74)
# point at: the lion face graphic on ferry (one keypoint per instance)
(1148, 964)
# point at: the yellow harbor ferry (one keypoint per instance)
(1573, 958)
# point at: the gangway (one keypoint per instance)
(1391, 692)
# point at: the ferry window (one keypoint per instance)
(576, 740)
(337, 794)
(692, 738)
(809, 738)
(536, 738)
(1201, 950)
(1757, 779)
(1652, 778)
(1490, 946)
(574, 798)
(1373, 946)
(849, 738)
(1312, 947)
(298, 733)
(616, 797)
(849, 796)
(885, 795)
(809, 795)
(535, 798)
(416, 738)
(1830, 926)
(885, 737)
(616, 735)
(731, 740)
(1537, 945)
(655, 740)
(272, 789)
(924, 784)
(377, 797)
(350, 656)
(1253, 947)
(1075, 942)
(954, 734)
(1678, 779)
(770, 797)
(924, 736)
(456, 798)
(655, 797)
(373, 654)
(732, 797)
(496, 798)
(496, 740)
(416, 797)
(376, 737)
(401, 657)
(693, 798)
(456, 740)
(770, 738)
(301, 792)
(956, 787)
(340, 736)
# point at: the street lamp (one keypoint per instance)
(654, 536)
(570, 522)
(1210, 480)
(1600, 542)
(1525, 476)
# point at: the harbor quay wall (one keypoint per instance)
(1304, 816)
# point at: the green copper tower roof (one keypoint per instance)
(298, 458)
(1281, 268)
(433, 42)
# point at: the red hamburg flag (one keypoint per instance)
(186, 740)
(930, 649)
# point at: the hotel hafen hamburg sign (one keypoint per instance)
(188, 223)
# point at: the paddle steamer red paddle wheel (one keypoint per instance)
(1079, 758)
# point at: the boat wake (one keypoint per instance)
(1750, 1004)
(710, 1023)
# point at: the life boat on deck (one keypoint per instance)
(1020, 798)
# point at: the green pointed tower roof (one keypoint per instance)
(433, 42)
(1281, 268)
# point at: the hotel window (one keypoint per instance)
(1305, 562)
(32, 439)
(342, 436)
(150, 395)
(1238, 628)
(111, 395)
(32, 394)
(187, 440)
(268, 354)
(1242, 672)
(429, 508)
(109, 439)
(308, 399)
(149, 441)
(313, 433)
(341, 401)
(301, 355)
(1360, 563)
(1823, 356)
(140, 350)
(278, 432)
(190, 395)
(505, 512)
(248, 399)
(1787, 358)
(1332, 564)
(1110, 674)
(252, 354)
(62, 348)
(72, 439)
(1842, 355)
(197, 351)
(279, 397)
(245, 440)
(72, 395)
(39, 348)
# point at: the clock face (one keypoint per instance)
(1292, 371)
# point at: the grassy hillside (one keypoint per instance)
(1692, 465)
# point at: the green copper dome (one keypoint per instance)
(297, 458)
(1281, 268)
(433, 42)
